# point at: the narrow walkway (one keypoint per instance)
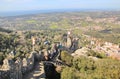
(37, 73)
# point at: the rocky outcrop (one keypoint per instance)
(83, 51)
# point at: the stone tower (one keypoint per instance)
(69, 40)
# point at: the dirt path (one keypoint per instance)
(37, 73)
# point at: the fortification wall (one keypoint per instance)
(16, 69)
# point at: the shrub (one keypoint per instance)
(66, 57)
(68, 73)
(83, 64)
(96, 54)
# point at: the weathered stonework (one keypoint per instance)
(69, 42)
(16, 69)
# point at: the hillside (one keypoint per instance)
(72, 45)
(5, 30)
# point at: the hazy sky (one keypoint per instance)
(17, 5)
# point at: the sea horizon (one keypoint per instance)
(32, 12)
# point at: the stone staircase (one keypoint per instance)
(37, 72)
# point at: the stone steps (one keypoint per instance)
(37, 73)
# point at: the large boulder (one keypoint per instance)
(83, 51)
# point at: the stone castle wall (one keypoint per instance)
(16, 70)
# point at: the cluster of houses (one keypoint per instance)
(110, 49)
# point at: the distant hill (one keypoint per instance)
(99, 20)
(99, 24)
(5, 30)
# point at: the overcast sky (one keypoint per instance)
(18, 5)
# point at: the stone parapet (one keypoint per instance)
(16, 69)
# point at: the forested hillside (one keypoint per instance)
(101, 24)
